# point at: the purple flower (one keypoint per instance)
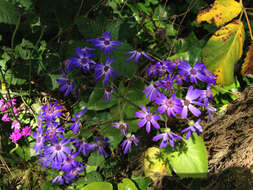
(68, 63)
(44, 162)
(147, 119)
(84, 59)
(152, 91)
(206, 95)
(137, 54)
(163, 67)
(70, 163)
(76, 119)
(40, 139)
(126, 145)
(172, 105)
(57, 153)
(209, 110)
(176, 62)
(168, 82)
(189, 103)
(100, 144)
(196, 127)
(152, 70)
(51, 111)
(66, 85)
(108, 93)
(61, 179)
(105, 42)
(105, 70)
(82, 146)
(74, 173)
(210, 77)
(194, 72)
(169, 136)
(53, 131)
(121, 126)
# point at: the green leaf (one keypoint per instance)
(142, 182)
(91, 28)
(120, 65)
(191, 161)
(114, 135)
(96, 101)
(49, 186)
(90, 177)
(182, 56)
(24, 49)
(90, 168)
(98, 186)
(15, 77)
(26, 3)
(228, 45)
(114, 29)
(24, 152)
(50, 81)
(95, 159)
(8, 13)
(93, 117)
(36, 106)
(171, 31)
(127, 184)
(143, 8)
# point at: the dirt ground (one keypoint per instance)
(229, 141)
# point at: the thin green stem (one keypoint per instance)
(15, 31)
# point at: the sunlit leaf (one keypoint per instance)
(127, 184)
(222, 12)
(247, 67)
(154, 166)
(98, 185)
(191, 161)
(223, 50)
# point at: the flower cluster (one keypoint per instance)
(59, 152)
(172, 96)
(85, 61)
(10, 112)
(176, 89)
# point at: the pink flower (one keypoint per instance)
(26, 131)
(3, 106)
(16, 111)
(16, 135)
(6, 118)
(15, 124)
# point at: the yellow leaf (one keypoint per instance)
(247, 67)
(223, 50)
(3, 86)
(222, 12)
(154, 167)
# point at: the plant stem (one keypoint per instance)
(15, 31)
(248, 22)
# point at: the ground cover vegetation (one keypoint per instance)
(113, 94)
